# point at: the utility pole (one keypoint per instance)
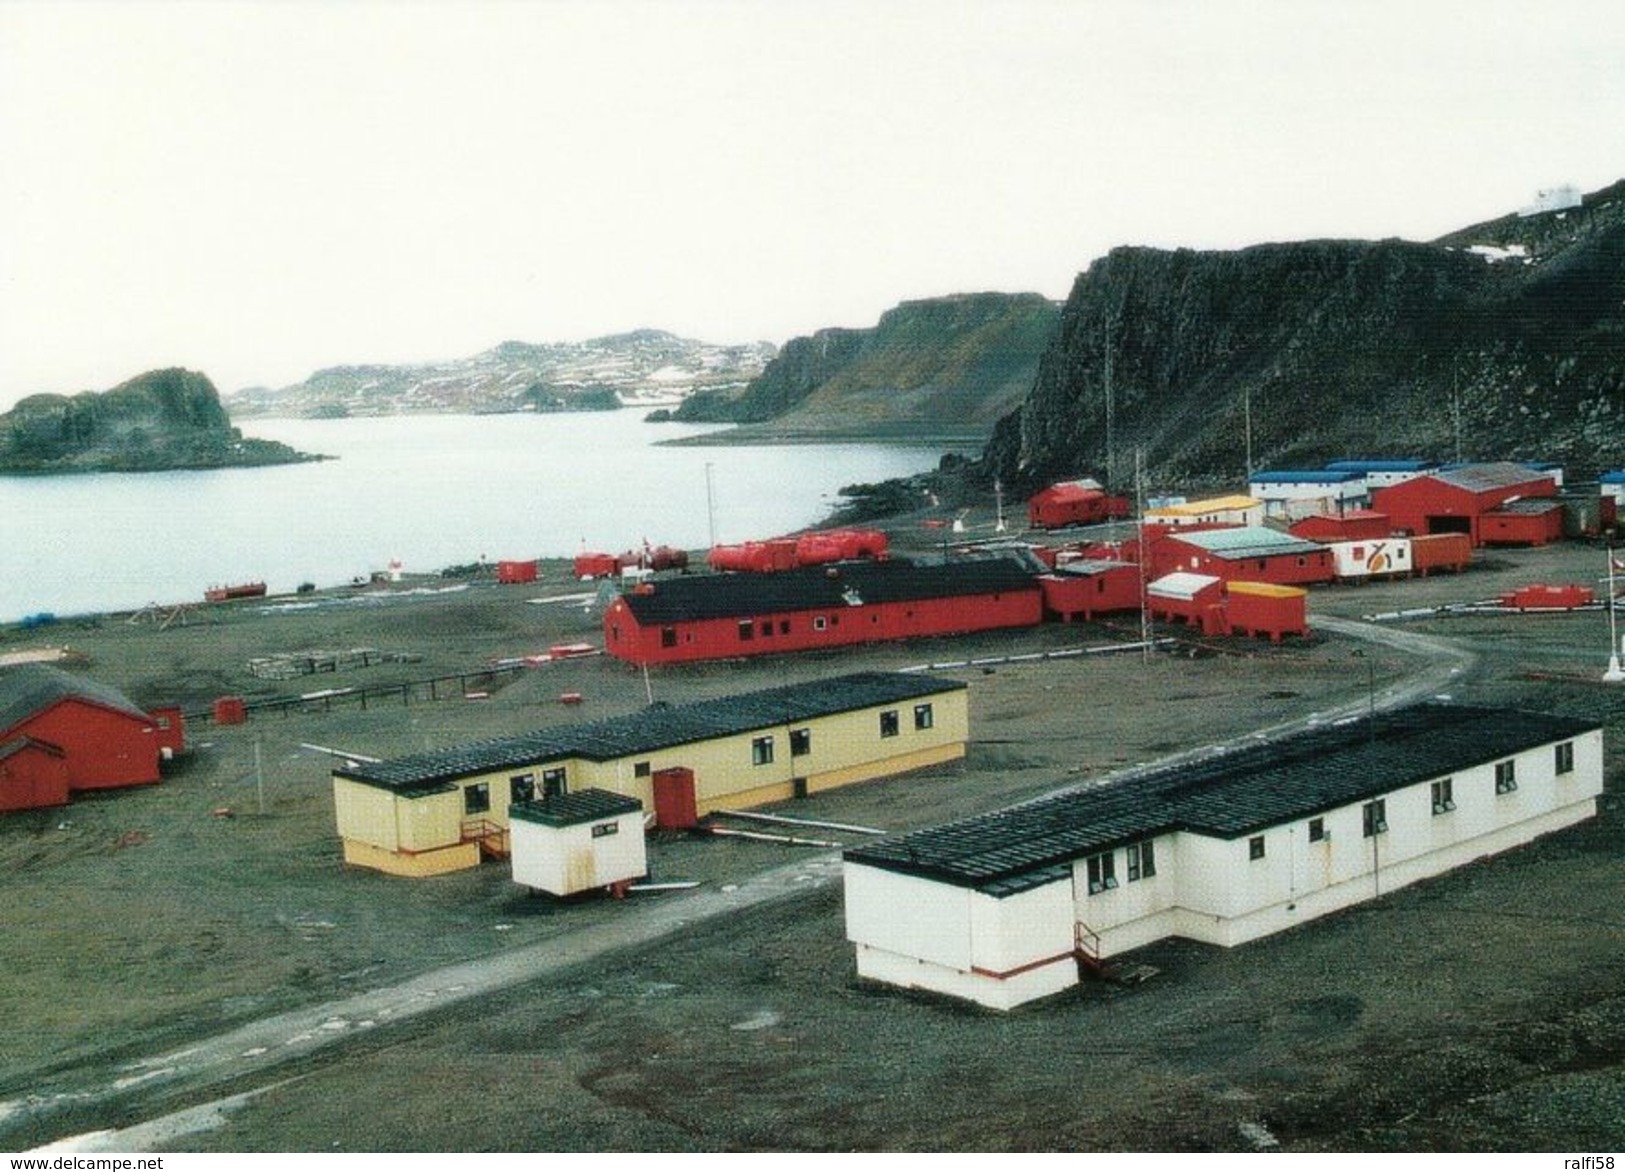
(1109, 329)
(1139, 513)
(1247, 424)
(1455, 402)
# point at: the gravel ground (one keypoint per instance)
(1482, 1011)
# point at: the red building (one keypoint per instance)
(1457, 500)
(1523, 522)
(1263, 608)
(1441, 551)
(32, 775)
(1074, 502)
(1196, 599)
(724, 616)
(104, 741)
(1249, 553)
(1354, 525)
(1085, 588)
(515, 573)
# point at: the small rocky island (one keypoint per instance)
(160, 421)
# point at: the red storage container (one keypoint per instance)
(230, 710)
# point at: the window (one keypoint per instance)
(767, 629)
(522, 788)
(1142, 863)
(163, 722)
(605, 829)
(800, 742)
(640, 769)
(1443, 799)
(552, 783)
(761, 751)
(784, 626)
(1374, 818)
(747, 631)
(1565, 758)
(477, 798)
(1506, 776)
(834, 620)
(1102, 874)
(923, 716)
(819, 622)
(1317, 830)
(1255, 847)
(668, 636)
(888, 723)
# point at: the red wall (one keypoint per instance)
(1521, 528)
(877, 622)
(1355, 527)
(1070, 595)
(1426, 505)
(31, 778)
(105, 749)
(1256, 614)
(1172, 554)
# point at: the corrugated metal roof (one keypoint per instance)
(657, 727)
(1487, 477)
(587, 805)
(1381, 465)
(1315, 476)
(1247, 541)
(1528, 508)
(1088, 567)
(34, 687)
(1181, 584)
(1613, 477)
(714, 596)
(1224, 796)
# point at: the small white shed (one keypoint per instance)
(577, 842)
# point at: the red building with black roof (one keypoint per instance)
(62, 734)
(724, 616)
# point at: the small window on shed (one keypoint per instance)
(1374, 818)
(163, 722)
(767, 629)
(1142, 861)
(819, 622)
(761, 751)
(924, 718)
(1443, 796)
(1564, 757)
(1255, 847)
(522, 788)
(1317, 830)
(640, 769)
(784, 626)
(668, 636)
(477, 798)
(800, 742)
(1506, 776)
(1102, 873)
(888, 723)
(747, 631)
(553, 783)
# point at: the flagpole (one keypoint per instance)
(1615, 673)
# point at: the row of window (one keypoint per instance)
(1102, 868)
(1373, 821)
(766, 628)
(521, 788)
(761, 748)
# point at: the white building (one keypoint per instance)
(1305, 493)
(1011, 906)
(1384, 473)
(577, 842)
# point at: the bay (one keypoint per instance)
(431, 491)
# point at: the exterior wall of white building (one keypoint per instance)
(1321, 496)
(1371, 558)
(920, 933)
(564, 860)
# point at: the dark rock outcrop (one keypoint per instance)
(162, 420)
(1505, 340)
(948, 364)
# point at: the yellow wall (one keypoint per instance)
(377, 825)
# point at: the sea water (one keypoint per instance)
(428, 491)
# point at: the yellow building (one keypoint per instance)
(1219, 510)
(441, 811)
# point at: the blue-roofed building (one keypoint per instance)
(1296, 493)
(1613, 485)
(1382, 473)
(1010, 906)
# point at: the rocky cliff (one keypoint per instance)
(165, 419)
(1503, 340)
(945, 366)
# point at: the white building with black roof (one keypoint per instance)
(1014, 905)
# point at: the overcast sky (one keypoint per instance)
(259, 189)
